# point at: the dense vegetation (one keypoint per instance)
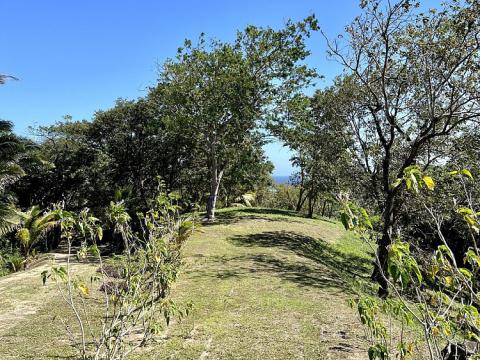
(390, 148)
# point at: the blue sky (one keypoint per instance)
(75, 57)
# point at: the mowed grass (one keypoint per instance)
(268, 285)
(265, 284)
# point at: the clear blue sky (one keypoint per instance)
(75, 57)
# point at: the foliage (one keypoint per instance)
(439, 297)
(217, 92)
(10, 262)
(15, 154)
(279, 196)
(136, 302)
(316, 134)
(410, 87)
(34, 224)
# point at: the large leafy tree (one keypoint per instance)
(125, 151)
(15, 154)
(317, 133)
(217, 92)
(74, 176)
(416, 80)
(12, 150)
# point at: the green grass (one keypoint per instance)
(265, 284)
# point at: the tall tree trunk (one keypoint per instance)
(323, 207)
(301, 199)
(380, 274)
(311, 205)
(216, 177)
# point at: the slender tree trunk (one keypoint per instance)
(311, 205)
(323, 208)
(301, 199)
(216, 177)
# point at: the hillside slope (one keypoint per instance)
(265, 284)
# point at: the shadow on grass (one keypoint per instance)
(234, 215)
(307, 247)
(283, 212)
(322, 265)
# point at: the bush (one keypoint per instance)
(10, 262)
(135, 286)
(279, 196)
(438, 297)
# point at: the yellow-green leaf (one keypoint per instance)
(429, 183)
(83, 289)
(467, 173)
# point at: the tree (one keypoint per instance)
(314, 130)
(15, 154)
(435, 291)
(416, 81)
(218, 91)
(12, 149)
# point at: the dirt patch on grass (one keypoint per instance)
(22, 294)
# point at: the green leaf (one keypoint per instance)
(465, 211)
(93, 249)
(465, 272)
(409, 183)
(99, 233)
(448, 281)
(366, 218)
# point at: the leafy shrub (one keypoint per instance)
(440, 297)
(279, 196)
(135, 287)
(10, 262)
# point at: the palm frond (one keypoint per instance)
(9, 173)
(4, 78)
(9, 218)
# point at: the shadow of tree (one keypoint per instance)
(322, 265)
(243, 214)
(235, 216)
(256, 266)
(283, 212)
(308, 247)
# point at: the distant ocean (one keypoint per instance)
(280, 179)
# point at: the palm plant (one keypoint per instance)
(34, 225)
(12, 149)
(15, 152)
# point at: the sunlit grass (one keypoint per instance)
(265, 284)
